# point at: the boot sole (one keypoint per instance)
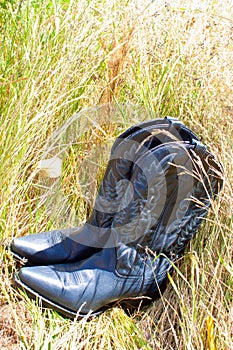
(47, 303)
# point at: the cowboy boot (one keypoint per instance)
(69, 245)
(144, 231)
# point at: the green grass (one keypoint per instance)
(62, 57)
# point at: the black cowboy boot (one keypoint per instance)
(149, 232)
(74, 244)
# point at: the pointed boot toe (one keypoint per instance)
(19, 249)
(43, 283)
(38, 278)
(33, 247)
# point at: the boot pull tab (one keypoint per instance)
(200, 149)
(186, 134)
(174, 121)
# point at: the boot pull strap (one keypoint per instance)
(185, 132)
(174, 121)
(201, 149)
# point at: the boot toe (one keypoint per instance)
(41, 279)
(23, 247)
(45, 246)
(57, 286)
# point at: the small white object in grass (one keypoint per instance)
(51, 167)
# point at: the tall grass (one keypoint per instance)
(59, 57)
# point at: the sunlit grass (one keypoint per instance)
(150, 60)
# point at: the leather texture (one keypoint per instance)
(68, 245)
(157, 212)
(91, 285)
(60, 246)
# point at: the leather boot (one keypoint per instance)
(78, 243)
(149, 233)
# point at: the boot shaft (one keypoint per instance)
(170, 192)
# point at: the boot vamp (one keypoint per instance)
(84, 286)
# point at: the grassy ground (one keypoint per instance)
(160, 58)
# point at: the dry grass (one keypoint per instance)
(162, 58)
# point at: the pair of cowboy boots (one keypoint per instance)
(158, 185)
